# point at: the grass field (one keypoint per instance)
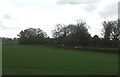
(41, 60)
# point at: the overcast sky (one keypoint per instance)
(17, 15)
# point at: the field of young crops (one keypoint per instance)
(43, 60)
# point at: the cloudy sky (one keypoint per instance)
(17, 15)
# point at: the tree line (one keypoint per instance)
(74, 35)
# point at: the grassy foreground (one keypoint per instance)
(41, 60)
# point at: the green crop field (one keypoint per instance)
(42, 60)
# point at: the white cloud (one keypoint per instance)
(47, 15)
(23, 1)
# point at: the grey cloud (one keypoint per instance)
(119, 9)
(6, 16)
(2, 26)
(110, 10)
(89, 7)
(77, 1)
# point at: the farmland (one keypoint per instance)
(44, 60)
